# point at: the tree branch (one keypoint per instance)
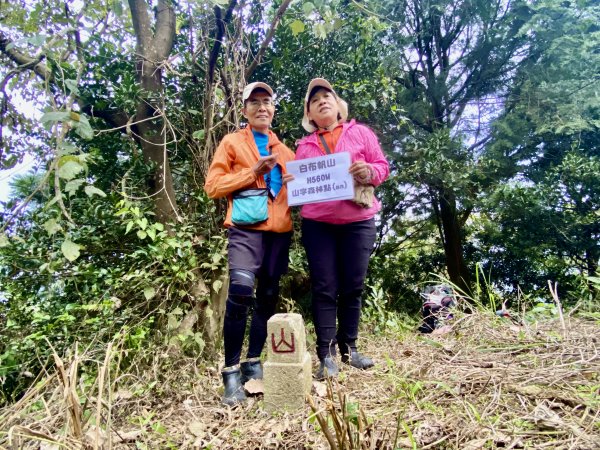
(114, 117)
(263, 47)
(24, 61)
(220, 23)
(141, 23)
(165, 29)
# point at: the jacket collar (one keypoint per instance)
(247, 134)
(312, 138)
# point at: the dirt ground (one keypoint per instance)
(482, 382)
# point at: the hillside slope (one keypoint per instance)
(484, 382)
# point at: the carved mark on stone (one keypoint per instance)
(283, 346)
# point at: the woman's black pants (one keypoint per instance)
(338, 257)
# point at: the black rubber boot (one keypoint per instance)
(234, 390)
(327, 369)
(251, 370)
(357, 360)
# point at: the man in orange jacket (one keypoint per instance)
(248, 166)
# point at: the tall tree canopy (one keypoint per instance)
(543, 217)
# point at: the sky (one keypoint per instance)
(28, 109)
(7, 175)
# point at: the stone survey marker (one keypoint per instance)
(287, 373)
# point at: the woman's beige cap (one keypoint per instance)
(342, 105)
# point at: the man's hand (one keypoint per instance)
(264, 165)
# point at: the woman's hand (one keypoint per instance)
(287, 177)
(361, 171)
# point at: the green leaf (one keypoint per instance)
(141, 234)
(117, 7)
(69, 169)
(67, 148)
(93, 190)
(3, 240)
(198, 339)
(172, 322)
(308, 8)
(51, 226)
(198, 134)
(72, 86)
(320, 31)
(70, 249)
(152, 233)
(72, 186)
(37, 40)
(51, 202)
(217, 285)
(128, 227)
(430, 342)
(179, 22)
(149, 292)
(55, 116)
(159, 427)
(83, 128)
(297, 27)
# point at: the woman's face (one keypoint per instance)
(323, 108)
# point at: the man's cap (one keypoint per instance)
(342, 105)
(256, 85)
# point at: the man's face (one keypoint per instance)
(259, 110)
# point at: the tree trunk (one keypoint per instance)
(592, 255)
(213, 316)
(207, 313)
(153, 141)
(453, 245)
(152, 50)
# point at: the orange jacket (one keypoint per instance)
(231, 170)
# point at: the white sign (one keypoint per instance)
(320, 179)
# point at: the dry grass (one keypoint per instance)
(486, 383)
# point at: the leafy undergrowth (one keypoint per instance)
(484, 382)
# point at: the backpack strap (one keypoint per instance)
(325, 146)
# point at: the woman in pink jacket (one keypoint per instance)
(339, 235)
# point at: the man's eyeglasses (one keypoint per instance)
(255, 104)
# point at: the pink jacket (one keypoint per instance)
(362, 144)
